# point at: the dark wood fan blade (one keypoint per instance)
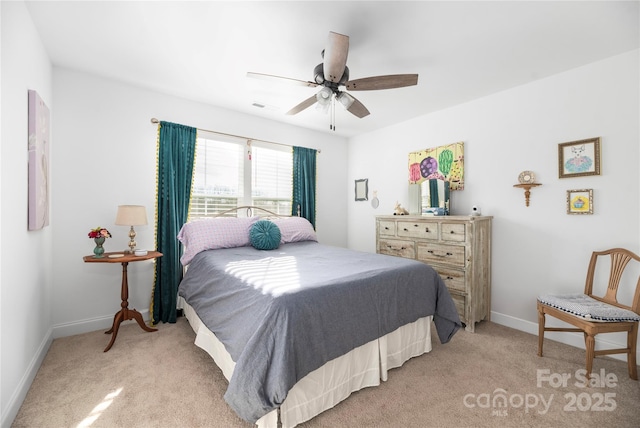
(390, 81)
(281, 79)
(335, 56)
(358, 109)
(303, 105)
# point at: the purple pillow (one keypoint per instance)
(295, 229)
(214, 233)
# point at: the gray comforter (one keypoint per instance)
(283, 313)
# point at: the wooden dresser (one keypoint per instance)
(457, 247)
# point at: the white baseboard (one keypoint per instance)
(573, 339)
(20, 393)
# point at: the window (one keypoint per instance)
(228, 174)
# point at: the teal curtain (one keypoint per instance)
(434, 198)
(304, 183)
(176, 154)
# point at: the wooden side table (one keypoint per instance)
(125, 313)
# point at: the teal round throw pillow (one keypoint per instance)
(265, 235)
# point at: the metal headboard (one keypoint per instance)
(249, 211)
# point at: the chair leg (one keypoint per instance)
(590, 344)
(541, 321)
(632, 337)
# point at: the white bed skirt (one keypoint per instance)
(328, 385)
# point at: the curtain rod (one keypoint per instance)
(156, 121)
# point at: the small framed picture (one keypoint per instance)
(362, 189)
(580, 201)
(579, 158)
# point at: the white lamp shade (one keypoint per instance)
(324, 96)
(345, 99)
(131, 215)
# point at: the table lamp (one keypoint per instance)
(131, 215)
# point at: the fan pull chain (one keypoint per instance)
(332, 125)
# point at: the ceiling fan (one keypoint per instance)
(333, 74)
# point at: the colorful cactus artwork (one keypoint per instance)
(443, 163)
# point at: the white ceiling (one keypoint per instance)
(461, 50)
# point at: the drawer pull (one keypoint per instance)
(452, 232)
(449, 278)
(440, 255)
(386, 228)
(397, 249)
(426, 229)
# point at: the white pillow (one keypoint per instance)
(214, 233)
(295, 229)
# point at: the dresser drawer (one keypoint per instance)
(394, 247)
(438, 253)
(455, 232)
(453, 278)
(387, 228)
(459, 301)
(418, 230)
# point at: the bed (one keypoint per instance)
(296, 326)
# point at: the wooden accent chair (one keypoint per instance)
(593, 315)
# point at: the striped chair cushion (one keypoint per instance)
(588, 308)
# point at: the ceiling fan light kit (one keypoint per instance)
(345, 99)
(324, 96)
(332, 74)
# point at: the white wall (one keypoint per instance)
(103, 154)
(25, 257)
(106, 156)
(536, 249)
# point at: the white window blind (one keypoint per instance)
(271, 179)
(231, 174)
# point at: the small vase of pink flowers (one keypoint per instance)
(99, 234)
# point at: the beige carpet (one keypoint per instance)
(162, 380)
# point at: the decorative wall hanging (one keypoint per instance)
(580, 201)
(442, 163)
(38, 162)
(374, 201)
(527, 181)
(579, 158)
(362, 189)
